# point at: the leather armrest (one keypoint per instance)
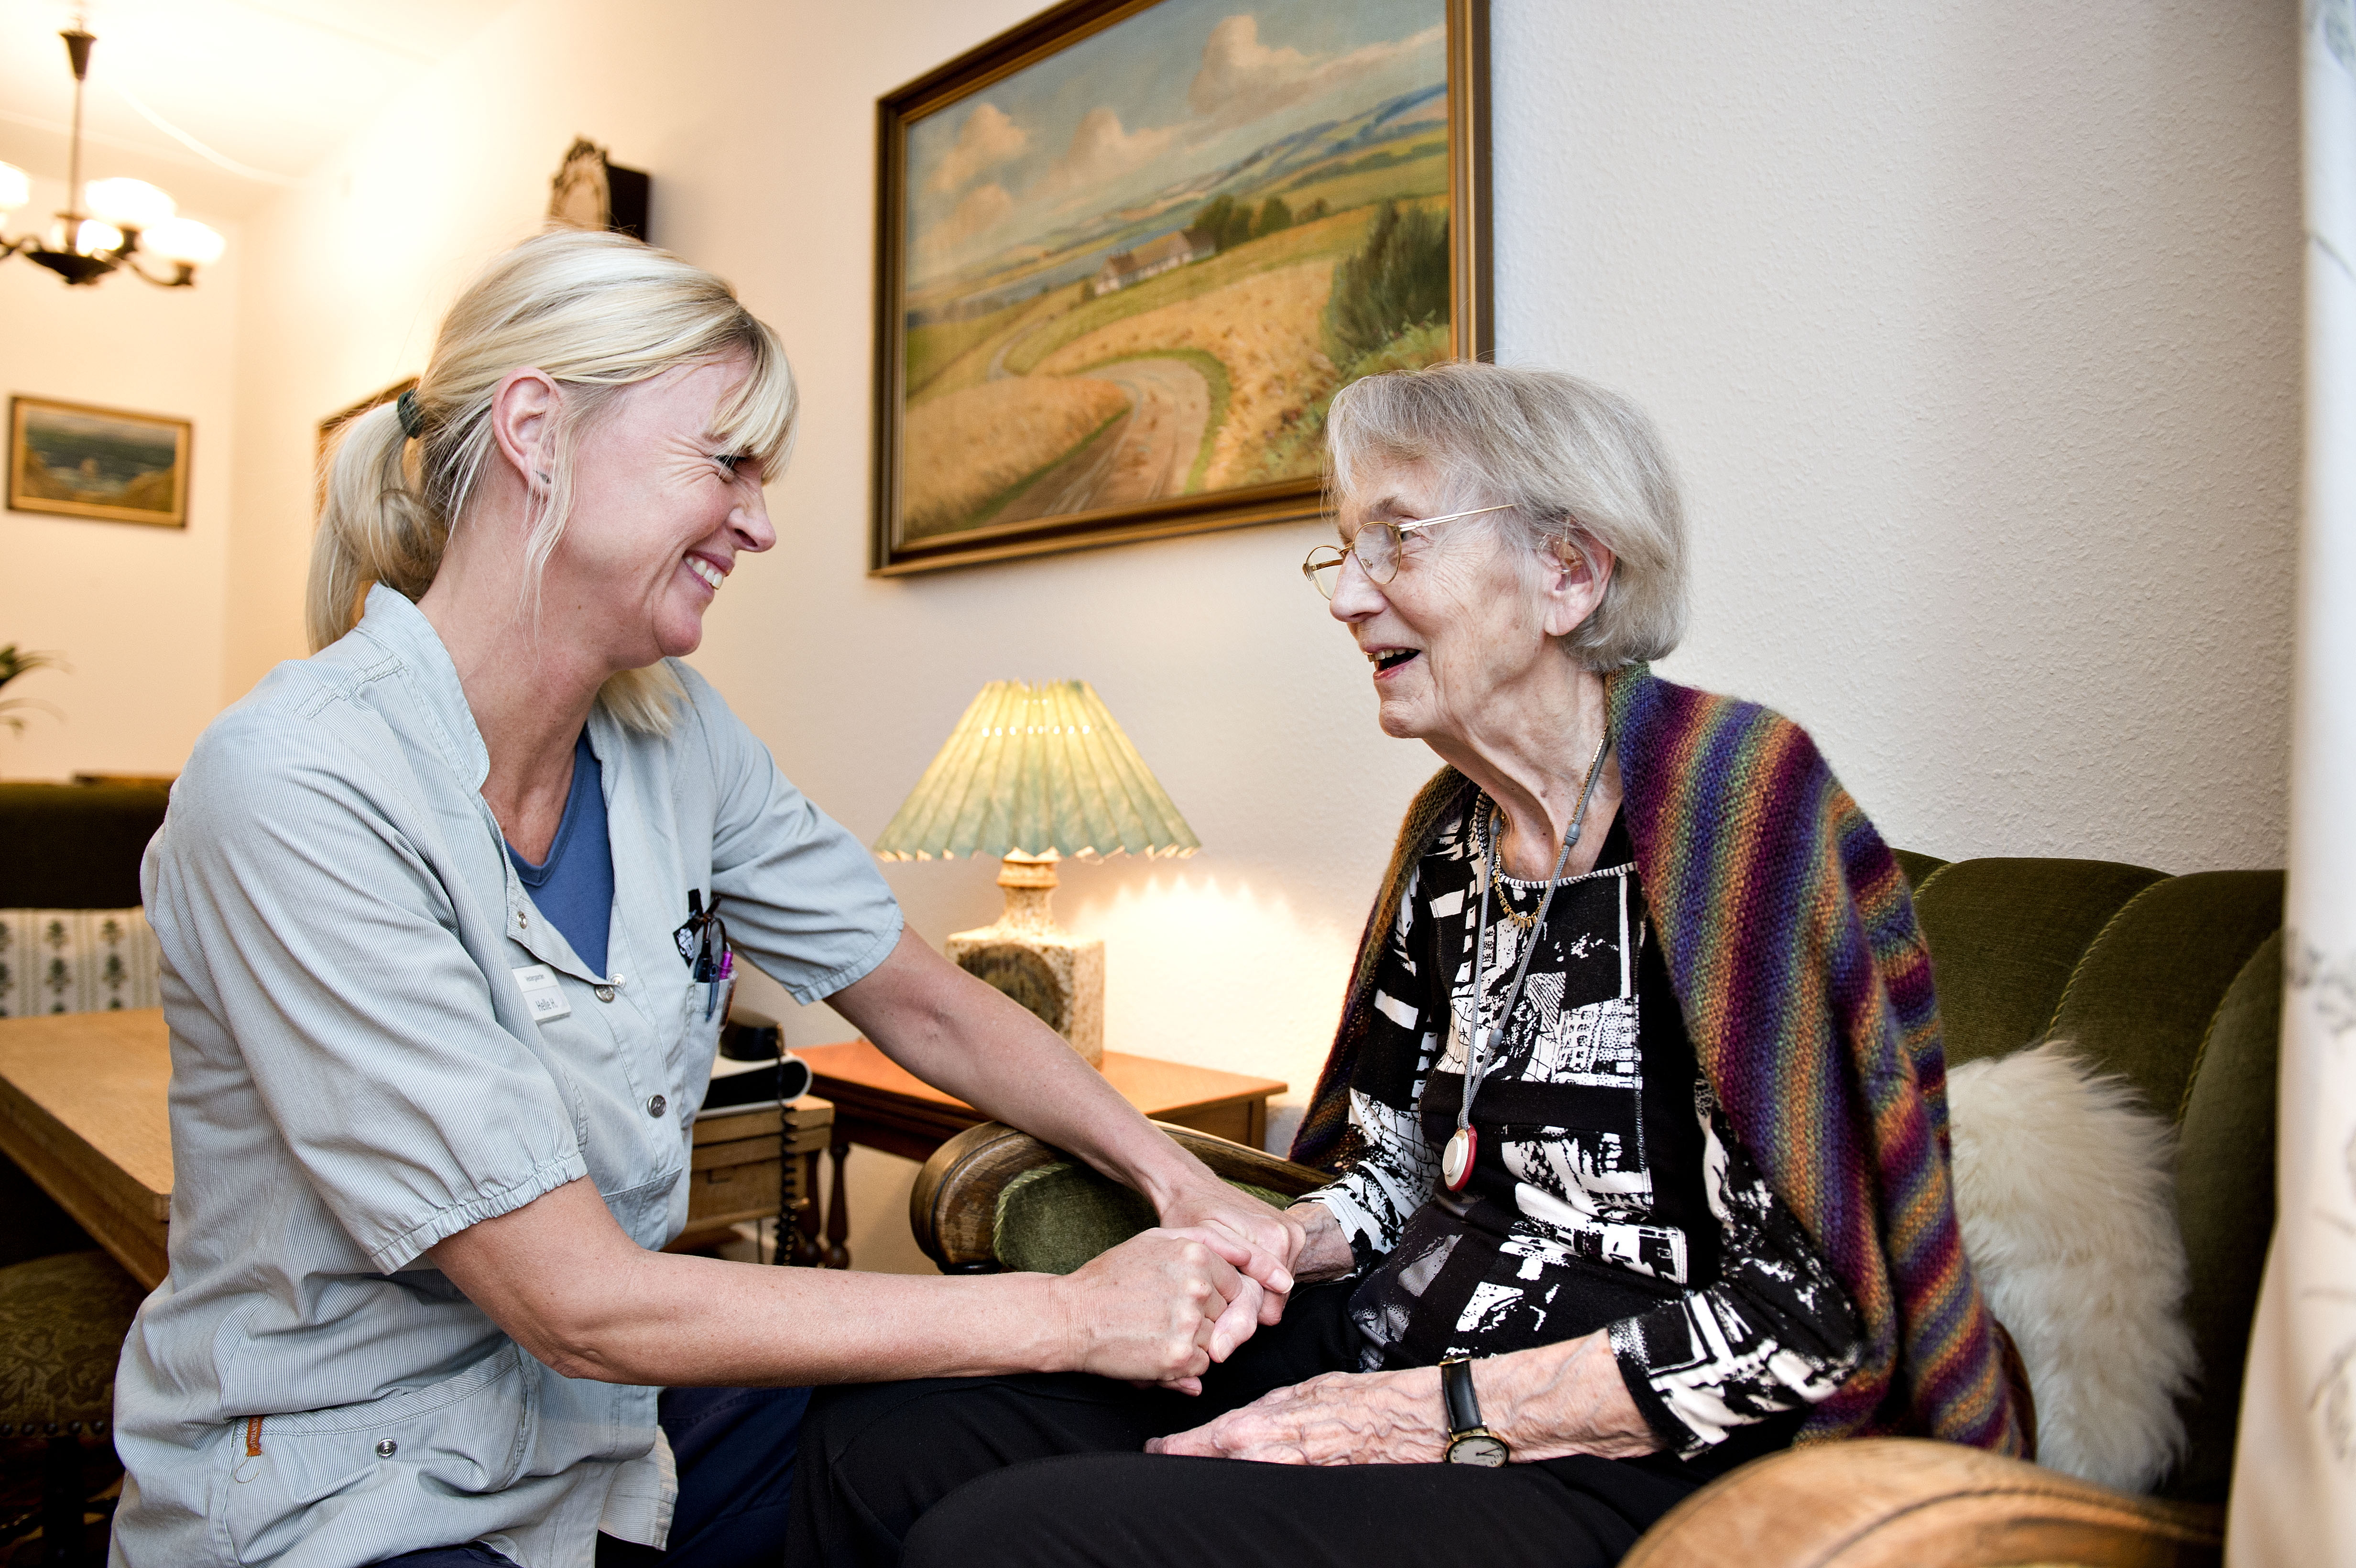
(953, 1209)
(1900, 1502)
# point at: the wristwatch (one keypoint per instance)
(1468, 1442)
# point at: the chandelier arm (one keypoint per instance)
(184, 274)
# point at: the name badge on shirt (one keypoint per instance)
(542, 993)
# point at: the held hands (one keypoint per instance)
(1157, 1308)
(1270, 1240)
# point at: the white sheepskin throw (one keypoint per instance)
(2065, 1188)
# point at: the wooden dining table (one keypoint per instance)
(85, 1112)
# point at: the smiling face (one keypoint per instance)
(1465, 629)
(662, 510)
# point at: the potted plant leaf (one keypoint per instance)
(13, 664)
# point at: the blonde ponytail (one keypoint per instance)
(598, 312)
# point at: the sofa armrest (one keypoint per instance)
(953, 1209)
(1900, 1502)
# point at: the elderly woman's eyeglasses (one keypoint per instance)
(1377, 548)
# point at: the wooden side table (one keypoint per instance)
(881, 1104)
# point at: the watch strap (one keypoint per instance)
(1456, 1394)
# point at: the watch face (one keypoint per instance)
(1477, 1448)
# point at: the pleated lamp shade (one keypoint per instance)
(1034, 773)
(1039, 772)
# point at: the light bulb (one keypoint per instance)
(92, 237)
(15, 190)
(184, 239)
(126, 203)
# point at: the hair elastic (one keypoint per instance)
(412, 423)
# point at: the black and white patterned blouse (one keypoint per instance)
(1609, 1191)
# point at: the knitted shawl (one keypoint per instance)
(1789, 940)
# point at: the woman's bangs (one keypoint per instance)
(759, 418)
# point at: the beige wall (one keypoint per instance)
(1973, 326)
(135, 610)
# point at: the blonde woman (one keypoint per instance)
(449, 913)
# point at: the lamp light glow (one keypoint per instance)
(90, 237)
(186, 241)
(16, 190)
(127, 203)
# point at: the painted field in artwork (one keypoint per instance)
(1141, 268)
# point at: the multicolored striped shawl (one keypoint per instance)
(1791, 941)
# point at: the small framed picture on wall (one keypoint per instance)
(78, 460)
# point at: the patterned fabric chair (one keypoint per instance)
(62, 1320)
(2173, 983)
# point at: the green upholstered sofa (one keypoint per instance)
(2172, 982)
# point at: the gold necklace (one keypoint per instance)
(1527, 924)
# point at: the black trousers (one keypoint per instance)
(1043, 1470)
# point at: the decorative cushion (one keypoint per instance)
(62, 1320)
(76, 961)
(1054, 1218)
(2065, 1190)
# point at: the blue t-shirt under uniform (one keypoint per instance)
(574, 886)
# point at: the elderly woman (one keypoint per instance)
(449, 914)
(1636, 1109)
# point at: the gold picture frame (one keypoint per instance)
(323, 450)
(105, 464)
(1039, 237)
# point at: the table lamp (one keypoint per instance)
(1032, 774)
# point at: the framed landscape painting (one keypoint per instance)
(1128, 252)
(76, 461)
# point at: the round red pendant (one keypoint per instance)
(1456, 1160)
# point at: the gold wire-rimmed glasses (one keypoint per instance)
(1377, 548)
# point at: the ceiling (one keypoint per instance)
(273, 85)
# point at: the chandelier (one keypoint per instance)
(109, 223)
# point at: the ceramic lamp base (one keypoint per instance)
(1057, 977)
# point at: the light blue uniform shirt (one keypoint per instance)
(357, 1073)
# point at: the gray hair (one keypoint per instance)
(1577, 463)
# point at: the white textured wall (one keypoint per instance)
(1973, 327)
(136, 610)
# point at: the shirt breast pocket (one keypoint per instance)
(367, 1467)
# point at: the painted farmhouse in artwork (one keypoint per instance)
(1152, 260)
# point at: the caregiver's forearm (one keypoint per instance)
(564, 1281)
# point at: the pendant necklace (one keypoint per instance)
(1456, 1160)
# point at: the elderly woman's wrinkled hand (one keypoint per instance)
(1341, 1418)
(1152, 1309)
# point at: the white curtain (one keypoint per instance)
(2294, 1499)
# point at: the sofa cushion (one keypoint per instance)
(2225, 1206)
(2142, 997)
(76, 961)
(2007, 935)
